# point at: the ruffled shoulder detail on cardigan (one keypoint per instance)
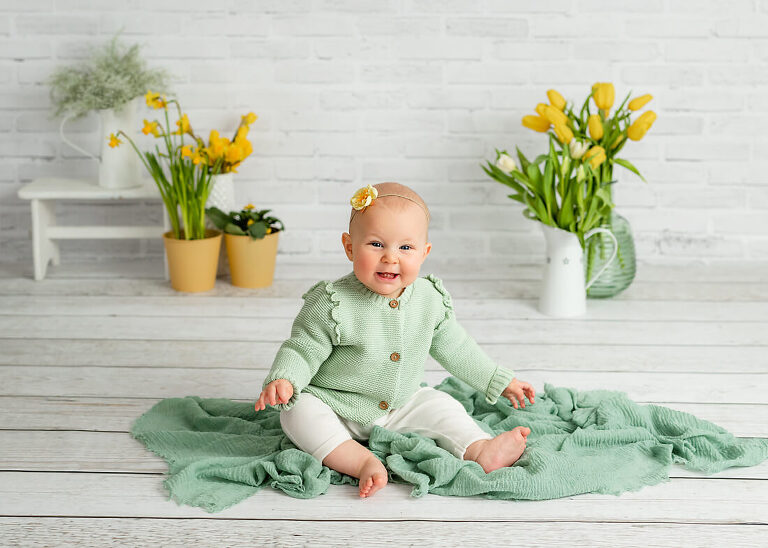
(446, 297)
(332, 294)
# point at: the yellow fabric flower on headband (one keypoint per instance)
(363, 197)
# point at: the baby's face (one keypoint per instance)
(387, 240)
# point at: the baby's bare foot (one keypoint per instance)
(373, 476)
(503, 450)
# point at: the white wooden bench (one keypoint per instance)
(44, 193)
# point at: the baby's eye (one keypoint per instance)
(375, 243)
(409, 247)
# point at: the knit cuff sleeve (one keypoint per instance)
(311, 342)
(499, 381)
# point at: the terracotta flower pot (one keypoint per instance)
(251, 262)
(192, 264)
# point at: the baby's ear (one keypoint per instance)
(346, 242)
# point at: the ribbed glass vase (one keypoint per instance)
(599, 248)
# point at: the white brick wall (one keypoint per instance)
(351, 92)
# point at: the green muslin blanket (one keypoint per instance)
(219, 451)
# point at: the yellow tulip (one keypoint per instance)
(639, 102)
(603, 93)
(536, 123)
(555, 116)
(618, 141)
(595, 127)
(564, 133)
(640, 126)
(114, 141)
(595, 156)
(540, 108)
(555, 99)
(250, 118)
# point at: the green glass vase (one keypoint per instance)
(599, 248)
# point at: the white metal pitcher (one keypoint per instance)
(563, 292)
(119, 167)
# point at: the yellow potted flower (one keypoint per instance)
(596, 137)
(183, 172)
(251, 238)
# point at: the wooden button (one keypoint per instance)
(394, 356)
(393, 303)
(384, 405)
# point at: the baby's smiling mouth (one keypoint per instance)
(387, 275)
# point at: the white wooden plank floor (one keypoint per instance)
(87, 350)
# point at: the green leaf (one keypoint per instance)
(232, 228)
(629, 166)
(217, 217)
(523, 160)
(258, 230)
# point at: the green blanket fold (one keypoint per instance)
(220, 452)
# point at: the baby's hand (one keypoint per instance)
(518, 389)
(278, 391)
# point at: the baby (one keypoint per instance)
(356, 355)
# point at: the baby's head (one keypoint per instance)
(389, 235)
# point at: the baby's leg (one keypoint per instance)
(353, 459)
(437, 415)
(315, 428)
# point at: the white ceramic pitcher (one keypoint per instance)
(563, 292)
(119, 167)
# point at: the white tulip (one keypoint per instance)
(506, 164)
(577, 149)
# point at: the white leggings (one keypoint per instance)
(315, 428)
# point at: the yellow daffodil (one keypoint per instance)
(639, 102)
(640, 126)
(242, 132)
(603, 94)
(183, 125)
(595, 156)
(186, 151)
(595, 127)
(233, 154)
(150, 127)
(269, 230)
(363, 197)
(250, 222)
(198, 158)
(114, 141)
(555, 99)
(150, 97)
(154, 100)
(563, 133)
(249, 207)
(536, 123)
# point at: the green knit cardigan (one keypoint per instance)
(363, 354)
